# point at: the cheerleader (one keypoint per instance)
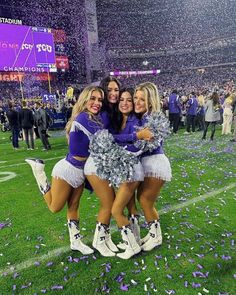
(106, 194)
(155, 164)
(127, 134)
(68, 175)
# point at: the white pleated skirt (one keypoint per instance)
(157, 166)
(66, 171)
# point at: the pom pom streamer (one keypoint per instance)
(113, 162)
(159, 126)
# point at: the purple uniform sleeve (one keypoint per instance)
(78, 139)
(128, 134)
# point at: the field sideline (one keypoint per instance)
(197, 218)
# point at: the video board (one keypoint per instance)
(26, 49)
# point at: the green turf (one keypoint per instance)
(198, 251)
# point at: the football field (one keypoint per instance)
(198, 220)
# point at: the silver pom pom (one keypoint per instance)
(112, 161)
(160, 127)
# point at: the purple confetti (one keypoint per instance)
(224, 257)
(196, 285)
(49, 263)
(2, 225)
(119, 278)
(15, 275)
(37, 263)
(124, 287)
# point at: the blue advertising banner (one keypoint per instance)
(59, 121)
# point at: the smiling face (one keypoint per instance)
(113, 92)
(140, 102)
(94, 104)
(126, 103)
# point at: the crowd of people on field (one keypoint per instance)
(27, 121)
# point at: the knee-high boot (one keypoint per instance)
(75, 238)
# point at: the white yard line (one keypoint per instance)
(197, 199)
(57, 252)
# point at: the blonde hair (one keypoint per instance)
(80, 105)
(229, 100)
(232, 98)
(201, 100)
(151, 96)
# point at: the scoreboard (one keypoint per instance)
(26, 49)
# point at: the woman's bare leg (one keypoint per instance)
(106, 196)
(58, 195)
(73, 203)
(123, 196)
(148, 192)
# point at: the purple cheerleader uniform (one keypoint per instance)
(71, 169)
(155, 163)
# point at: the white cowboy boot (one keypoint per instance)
(99, 240)
(134, 225)
(109, 241)
(132, 247)
(75, 238)
(155, 236)
(37, 166)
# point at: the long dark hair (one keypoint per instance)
(111, 109)
(215, 98)
(120, 115)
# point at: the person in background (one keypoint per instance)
(227, 115)
(174, 110)
(192, 105)
(234, 116)
(212, 114)
(13, 119)
(27, 123)
(200, 120)
(69, 111)
(3, 117)
(41, 123)
(68, 174)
